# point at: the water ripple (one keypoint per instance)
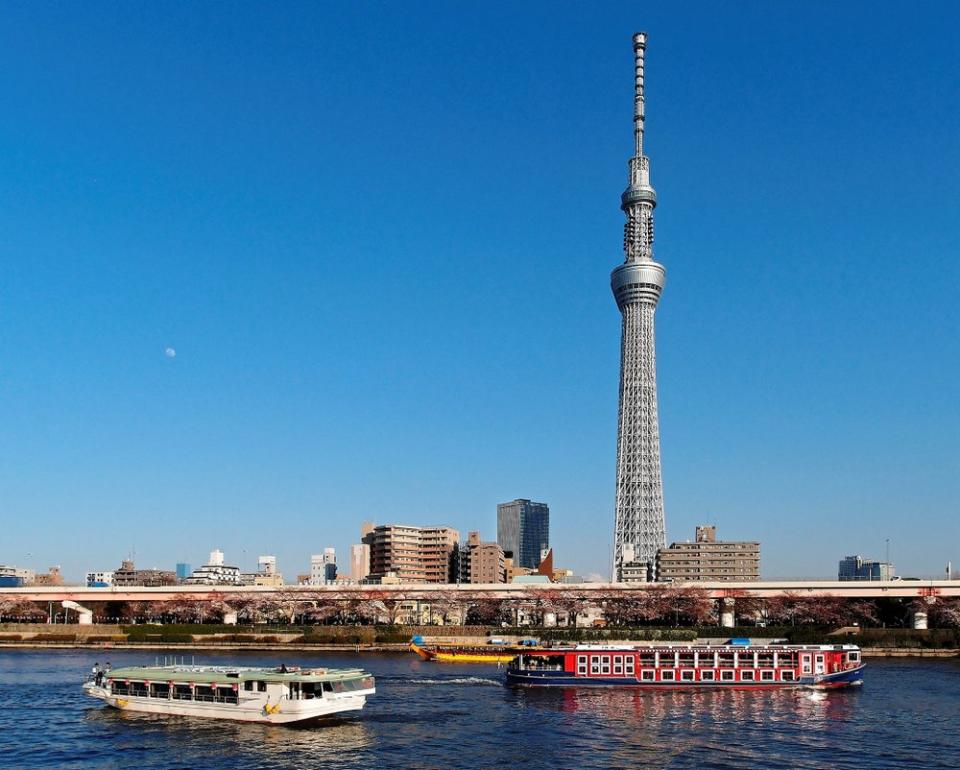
(431, 716)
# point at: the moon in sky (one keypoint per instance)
(170, 352)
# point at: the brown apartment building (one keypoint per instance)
(709, 559)
(128, 575)
(486, 563)
(414, 554)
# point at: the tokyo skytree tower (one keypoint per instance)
(637, 284)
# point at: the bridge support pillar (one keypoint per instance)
(920, 620)
(230, 618)
(727, 609)
(84, 616)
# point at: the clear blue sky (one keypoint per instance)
(379, 238)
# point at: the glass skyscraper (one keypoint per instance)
(523, 528)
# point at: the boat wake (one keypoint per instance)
(461, 680)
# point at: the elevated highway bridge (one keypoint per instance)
(902, 589)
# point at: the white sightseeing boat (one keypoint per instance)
(271, 695)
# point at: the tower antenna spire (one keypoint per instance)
(639, 199)
(639, 50)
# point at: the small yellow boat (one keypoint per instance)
(473, 654)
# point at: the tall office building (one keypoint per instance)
(639, 530)
(523, 530)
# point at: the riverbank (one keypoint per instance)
(875, 642)
(868, 652)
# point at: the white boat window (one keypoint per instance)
(746, 676)
(594, 664)
(707, 676)
(581, 664)
(629, 664)
(766, 676)
(853, 657)
(618, 664)
(647, 675)
(666, 676)
(686, 675)
(786, 676)
(726, 675)
(605, 664)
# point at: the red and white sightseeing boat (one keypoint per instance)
(760, 666)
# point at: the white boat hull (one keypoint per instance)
(252, 708)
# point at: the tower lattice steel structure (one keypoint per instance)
(637, 285)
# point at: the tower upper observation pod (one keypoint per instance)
(637, 284)
(633, 282)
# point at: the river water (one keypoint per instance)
(429, 715)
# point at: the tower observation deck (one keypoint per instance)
(639, 529)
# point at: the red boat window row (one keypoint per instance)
(625, 666)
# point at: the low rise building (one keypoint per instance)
(11, 576)
(100, 579)
(635, 572)
(129, 575)
(709, 559)
(323, 567)
(858, 568)
(513, 571)
(215, 572)
(266, 574)
(52, 577)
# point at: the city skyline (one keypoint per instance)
(247, 304)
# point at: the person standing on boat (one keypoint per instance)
(97, 673)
